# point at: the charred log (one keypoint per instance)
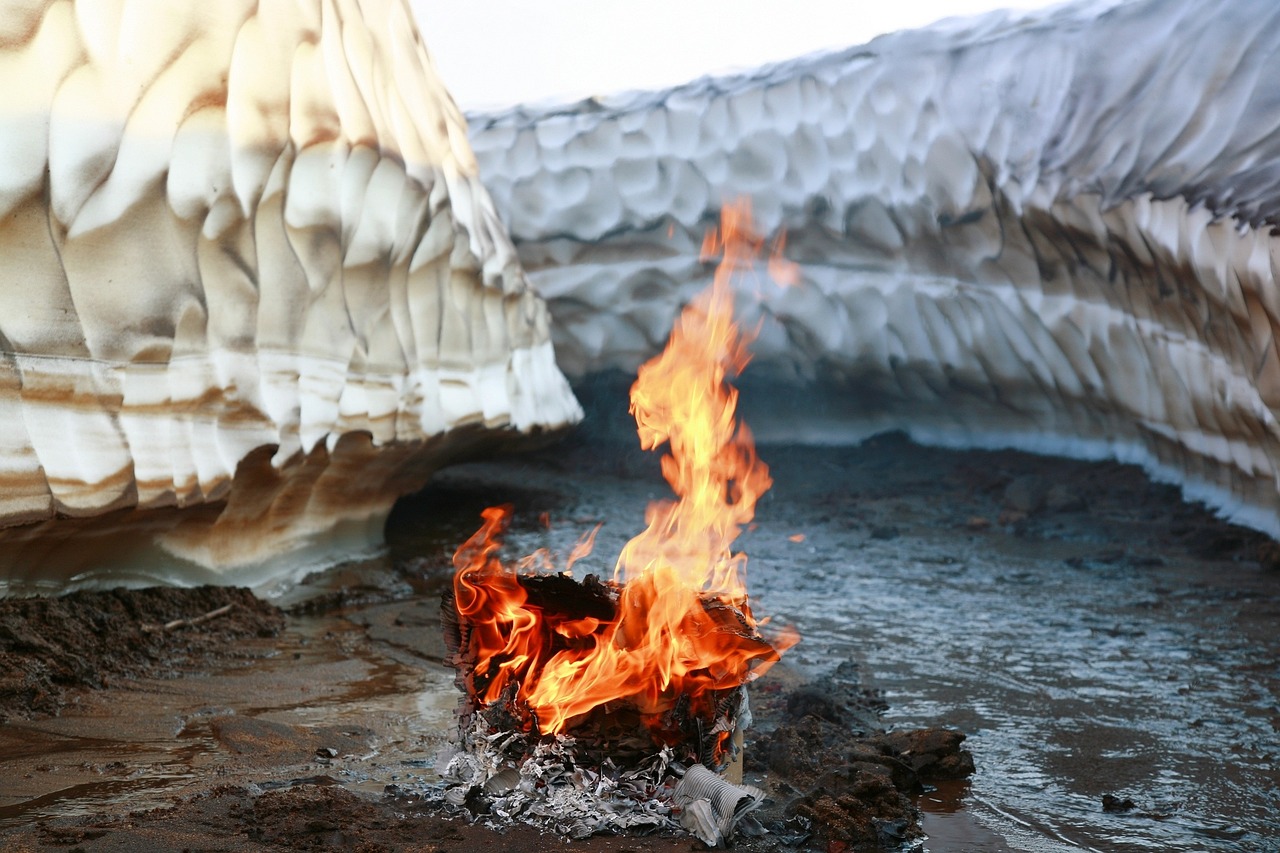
(696, 728)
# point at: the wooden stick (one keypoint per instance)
(187, 623)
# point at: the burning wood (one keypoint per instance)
(696, 727)
(650, 666)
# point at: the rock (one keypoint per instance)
(931, 753)
(812, 748)
(1025, 494)
(807, 701)
(1268, 554)
(1060, 498)
(856, 816)
(855, 786)
(252, 288)
(1112, 804)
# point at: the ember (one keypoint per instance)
(668, 643)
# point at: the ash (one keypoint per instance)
(498, 779)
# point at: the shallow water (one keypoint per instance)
(1086, 656)
(1072, 684)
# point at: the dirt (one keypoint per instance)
(314, 814)
(51, 648)
(830, 763)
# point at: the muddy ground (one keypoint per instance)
(284, 724)
(104, 663)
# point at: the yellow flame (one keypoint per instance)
(665, 642)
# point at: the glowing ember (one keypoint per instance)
(680, 630)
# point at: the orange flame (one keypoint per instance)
(682, 627)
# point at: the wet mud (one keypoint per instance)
(1107, 651)
(50, 648)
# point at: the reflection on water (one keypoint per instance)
(951, 825)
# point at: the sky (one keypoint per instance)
(494, 53)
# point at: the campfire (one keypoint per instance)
(644, 672)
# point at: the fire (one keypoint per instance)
(682, 629)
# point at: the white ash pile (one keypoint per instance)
(500, 778)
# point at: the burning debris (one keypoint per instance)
(695, 726)
(608, 705)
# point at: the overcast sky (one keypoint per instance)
(500, 52)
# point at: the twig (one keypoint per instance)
(188, 623)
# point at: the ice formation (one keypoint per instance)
(1052, 232)
(251, 290)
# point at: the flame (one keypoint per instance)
(682, 626)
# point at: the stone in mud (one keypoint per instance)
(1111, 804)
(932, 753)
(270, 743)
(1060, 498)
(1025, 495)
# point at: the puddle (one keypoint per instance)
(77, 775)
(949, 823)
(1151, 676)
(90, 797)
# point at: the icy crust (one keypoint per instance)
(234, 227)
(1051, 232)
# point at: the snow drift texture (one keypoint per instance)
(1052, 232)
(246, 265)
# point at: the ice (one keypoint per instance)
(1051, 232)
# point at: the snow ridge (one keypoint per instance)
(1052, 232)
(248, 267)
